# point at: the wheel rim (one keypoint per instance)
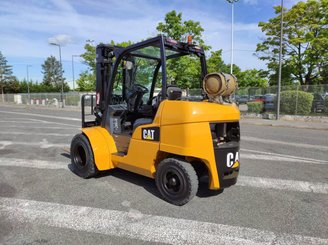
(173, 183)
(80, 158)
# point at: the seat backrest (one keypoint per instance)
(173, 93)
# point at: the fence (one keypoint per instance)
(44, 99)
(295, 100)
(253, 91)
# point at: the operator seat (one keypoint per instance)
(172, 92)
(142, 121)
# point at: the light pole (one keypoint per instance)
(28, 85)
(74, 55)
(61, 73)
(232, 20)
(280, 60)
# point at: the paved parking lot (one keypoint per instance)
(281, 196)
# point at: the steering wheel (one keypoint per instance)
(135, 96)
(140, 88)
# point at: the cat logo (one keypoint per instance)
(232, 161)
(150, 133)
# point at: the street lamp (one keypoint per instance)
(280, 60)
(61, 73)
(74, 55)
(232, 19)
(28, 84)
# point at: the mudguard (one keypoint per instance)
(103, 146)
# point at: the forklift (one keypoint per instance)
(142, 123)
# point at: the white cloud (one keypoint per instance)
(61, 39)
(27, 28)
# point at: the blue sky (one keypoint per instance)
(26, 27)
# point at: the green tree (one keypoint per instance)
(13, 86)
(305, 40)
(35, 87)
(251, 78)
(183, 71)
(324, 74)
(287, 77)
(175, 28)
(53, 76)
(6, 77)
(215, 62)
(87, 79)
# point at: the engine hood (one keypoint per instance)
(178, 112)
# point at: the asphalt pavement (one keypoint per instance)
(281, 196)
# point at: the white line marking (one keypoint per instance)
(27, 163)
(310, 160)
(18, 118)
(260, 140)
(271, 158)
(145, 227)
(249, 181)
(42, 115)
(34, 121)
(282, 184)
(3, 144)
(43, 144)
(37, 134)
(37, 127)
(20, 122)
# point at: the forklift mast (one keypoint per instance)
(104, 60)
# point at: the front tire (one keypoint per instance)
(82, 157)
(176, 180)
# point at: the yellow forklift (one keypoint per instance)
(145, 125)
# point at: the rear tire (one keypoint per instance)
(82, 157)
(176, 180)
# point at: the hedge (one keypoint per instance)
(326, 104)
(289, 99)
(255, 107)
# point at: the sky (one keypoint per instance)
(27, 27)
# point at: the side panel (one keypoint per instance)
(103, 146)
(141, 155)
(193, 140)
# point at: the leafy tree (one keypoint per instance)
(53, 75)
(13, 85)
(6, 77)
(251, 78)
(324, 74)
(215, 62)
(305, 40)
(87, 79)
(287, 77)
(176, 29)
(183, 71)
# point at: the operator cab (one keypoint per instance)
(132, 82)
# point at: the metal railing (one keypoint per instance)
(295, 99)
(44, 99)
(291, 104)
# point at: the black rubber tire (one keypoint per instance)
(176, 180)
(82, 157)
